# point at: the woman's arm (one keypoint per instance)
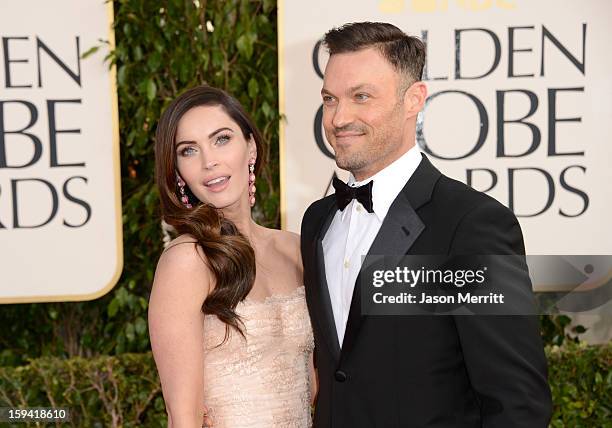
(176, 327)
(314, 380)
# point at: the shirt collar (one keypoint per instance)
(389, 181)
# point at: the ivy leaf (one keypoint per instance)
(154, 61)
(241, 44)
(121, 75)
(151, 90)
(244, 43)
(138, 53)
(90, 52)
(113, 307)
(122, 296)
(267, 111)
(253, 87)
(579, 329)
(564, 320)
(129, 332)
(141, 326)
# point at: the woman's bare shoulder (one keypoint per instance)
(288, 243)
(182, 266)
(287, 237)
(181, 239)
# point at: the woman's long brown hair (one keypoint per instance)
(228, 253)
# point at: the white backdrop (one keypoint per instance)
(60, 202)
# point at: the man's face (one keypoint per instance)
(363, 115)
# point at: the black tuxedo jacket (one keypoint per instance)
(426, 371)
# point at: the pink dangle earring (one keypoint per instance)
(252, 181)
(181, 185)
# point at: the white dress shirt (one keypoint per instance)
(353, 230)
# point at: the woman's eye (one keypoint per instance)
(222, 139)
(187, 151)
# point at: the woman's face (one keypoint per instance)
(212, 156)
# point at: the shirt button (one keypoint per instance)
(359, 207)
(346, 264)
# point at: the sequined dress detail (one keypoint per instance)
(263, 381)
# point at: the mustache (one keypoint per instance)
(351, 127)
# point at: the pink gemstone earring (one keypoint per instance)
(181, 185)
(252, 181)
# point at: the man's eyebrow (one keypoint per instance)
(360, 87)
(351, 89)
(212, 134)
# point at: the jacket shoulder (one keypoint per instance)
(316, 213)
(319, 207)
(461, 198)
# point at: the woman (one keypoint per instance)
(228, 320)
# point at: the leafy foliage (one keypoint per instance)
(124, 390)
(100, 392)
(556, 329)
(581, 382)
(160, 51)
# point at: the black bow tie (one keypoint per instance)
(345, 194)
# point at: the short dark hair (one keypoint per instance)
(405, 53)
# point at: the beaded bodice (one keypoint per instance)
(263, 380)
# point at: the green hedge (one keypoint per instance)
(124, 390)
(100, 392)
(581, 382)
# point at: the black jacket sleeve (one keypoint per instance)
(503, 354)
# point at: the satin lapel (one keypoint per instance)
(326, 320)
(401, 227)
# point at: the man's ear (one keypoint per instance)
(414, 98)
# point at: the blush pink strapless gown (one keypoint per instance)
(263, 381)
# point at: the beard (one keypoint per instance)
(376, 145)
(352, 158)
(368, 153)
(352, 161)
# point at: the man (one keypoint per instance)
(405, 371)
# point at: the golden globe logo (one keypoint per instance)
(24, 115)
(60, 201)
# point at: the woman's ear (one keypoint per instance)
(252, 148)
(179, 179)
